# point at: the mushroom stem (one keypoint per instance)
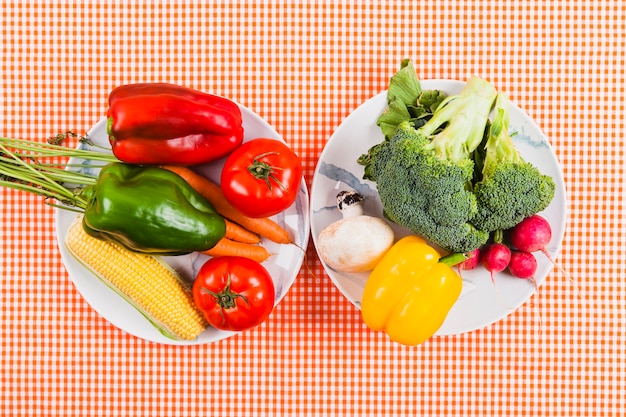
(349, 203)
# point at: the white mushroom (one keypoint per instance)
(356, 242)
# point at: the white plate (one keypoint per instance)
(284, 266)
(479, 304)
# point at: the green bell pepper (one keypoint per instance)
(150, 210)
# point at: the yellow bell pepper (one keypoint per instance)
(409, 293)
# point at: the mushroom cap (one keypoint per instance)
(355, 244)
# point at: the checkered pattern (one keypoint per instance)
(304, 66)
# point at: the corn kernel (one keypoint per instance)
(144, 280)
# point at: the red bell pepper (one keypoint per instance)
(145, 89)
(160, 123)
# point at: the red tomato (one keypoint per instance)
(261, 177)
(234, 293)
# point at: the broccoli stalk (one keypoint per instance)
(423, 175)
(510, 189)
(465, 117)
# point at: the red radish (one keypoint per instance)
(495, 258)
(472, 261)
(523, 265)
(533, 234)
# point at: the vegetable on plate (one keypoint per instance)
(230, 247)
(534, 234)
(161, 123)
(145, 281)
(510, 188)
(495, 257)
(523, 265)
(150, 209)
(424, 175)
(234, 293)
(262, 177)
(410, 291)
(357, 242)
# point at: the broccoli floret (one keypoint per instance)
(511, 188)
(424, 174)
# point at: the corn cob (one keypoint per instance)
(145, 281)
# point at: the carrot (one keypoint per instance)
(227, 247)
(240, 234)
(265, 227)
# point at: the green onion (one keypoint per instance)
(29, 166)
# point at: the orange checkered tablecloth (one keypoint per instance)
(304, 67)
